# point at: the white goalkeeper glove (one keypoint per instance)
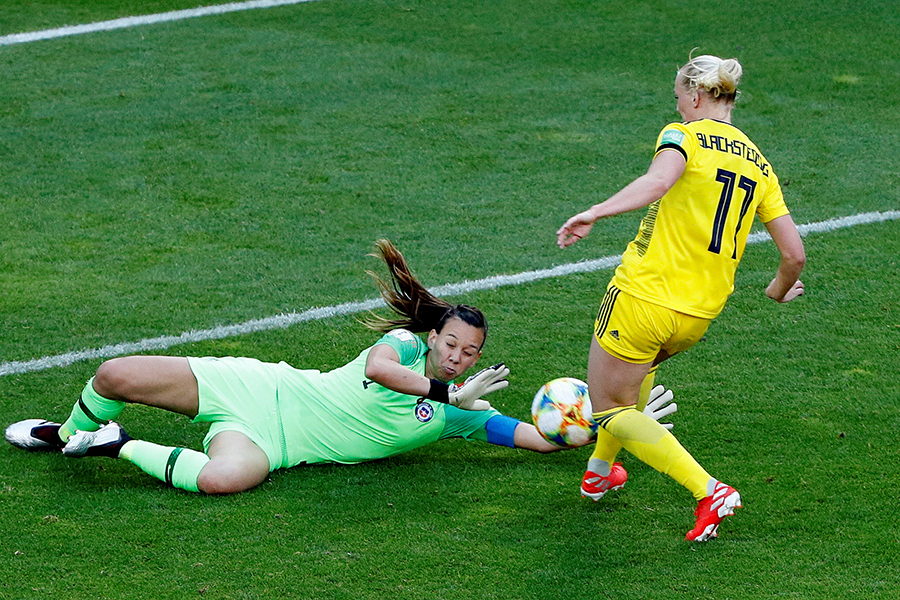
(467, 395)
(660, 405)
(481, 373)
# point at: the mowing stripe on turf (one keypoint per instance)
(348, 308)
(125, 22)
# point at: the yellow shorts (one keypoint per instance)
(635, 330)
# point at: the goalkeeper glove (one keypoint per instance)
(467, 395)
(658, 405)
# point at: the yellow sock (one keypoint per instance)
(605, 451)
(652, 443)
(646, 386)
(607, 446)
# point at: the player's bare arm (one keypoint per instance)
(786, 285)
(664, 171)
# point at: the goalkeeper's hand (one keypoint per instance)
(660, 405)
(468, 394)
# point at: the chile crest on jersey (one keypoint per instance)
(424, 411)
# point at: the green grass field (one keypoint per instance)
(208, 172)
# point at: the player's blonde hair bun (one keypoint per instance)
(719, 77)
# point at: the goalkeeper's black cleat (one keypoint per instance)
(106, 441)
(34, 434)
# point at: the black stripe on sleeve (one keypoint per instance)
(672, 147)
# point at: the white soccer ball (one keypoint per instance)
(562, 412)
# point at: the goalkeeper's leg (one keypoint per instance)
(178, 467)
(161, 381)
(234, 463)
(90, 412)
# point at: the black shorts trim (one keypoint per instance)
(606, 308)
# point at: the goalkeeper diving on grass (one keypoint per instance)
(397, 395)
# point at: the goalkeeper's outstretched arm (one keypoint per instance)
(527, 437)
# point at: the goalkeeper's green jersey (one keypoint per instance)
(341, 416)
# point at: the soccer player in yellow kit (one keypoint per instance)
(706, 182)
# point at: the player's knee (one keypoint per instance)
(216, 478)
(214, 482)
(111, 379)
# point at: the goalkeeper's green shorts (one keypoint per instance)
(240, 394)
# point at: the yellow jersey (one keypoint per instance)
(691, 240)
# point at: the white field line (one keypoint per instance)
(348, 308)
(125, 22)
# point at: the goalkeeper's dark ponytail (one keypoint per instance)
(417, 309)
